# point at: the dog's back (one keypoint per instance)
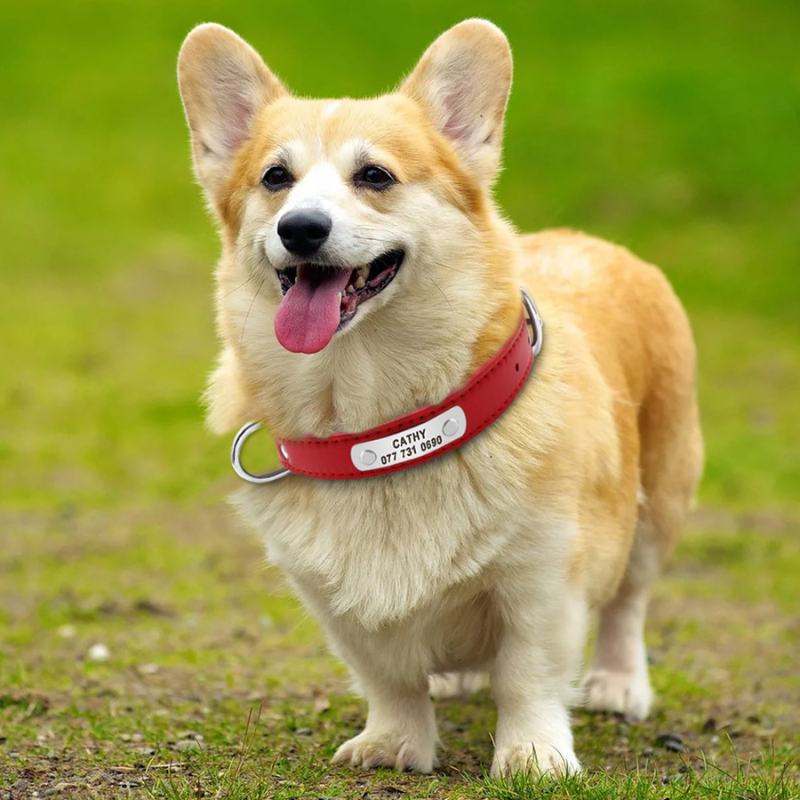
(638, 333)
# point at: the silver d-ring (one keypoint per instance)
(236, 458)
(534, 321)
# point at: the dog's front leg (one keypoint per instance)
(400, 730)
(537, 662)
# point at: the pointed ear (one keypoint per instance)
(224, 83)
(462, 82)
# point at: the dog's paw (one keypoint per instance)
(534, 759)
(404, 753)
(627, 693)
(456, 684)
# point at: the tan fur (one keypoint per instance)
(491, 557)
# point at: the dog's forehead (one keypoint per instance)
(341, 128)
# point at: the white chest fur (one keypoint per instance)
(377, 548)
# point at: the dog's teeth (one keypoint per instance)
(339, 297)
(363, 271)
(349, 289)
(360, 282)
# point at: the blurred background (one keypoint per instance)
(671, 128)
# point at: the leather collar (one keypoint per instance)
(423, 434)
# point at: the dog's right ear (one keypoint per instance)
(462, 83)
(224, 83)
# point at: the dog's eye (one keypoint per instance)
(277, 178)
(374, 177)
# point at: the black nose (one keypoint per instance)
(304, 231)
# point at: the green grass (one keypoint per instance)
(206, 647)
(671, 128)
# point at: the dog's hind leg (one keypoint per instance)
(457, 684)
(617, 679)
(671, 462)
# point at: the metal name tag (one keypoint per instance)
(410, 443)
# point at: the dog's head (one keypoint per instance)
(341, 208)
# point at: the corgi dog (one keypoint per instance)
(366, 272)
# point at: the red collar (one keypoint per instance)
(426, 433)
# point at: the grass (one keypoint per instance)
(219, 685)
(670, 128)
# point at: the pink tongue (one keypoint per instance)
(309, 313)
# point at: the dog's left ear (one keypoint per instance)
(224, 83)
(462, 82)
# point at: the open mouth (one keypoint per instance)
(364, 282)
(321, 299)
